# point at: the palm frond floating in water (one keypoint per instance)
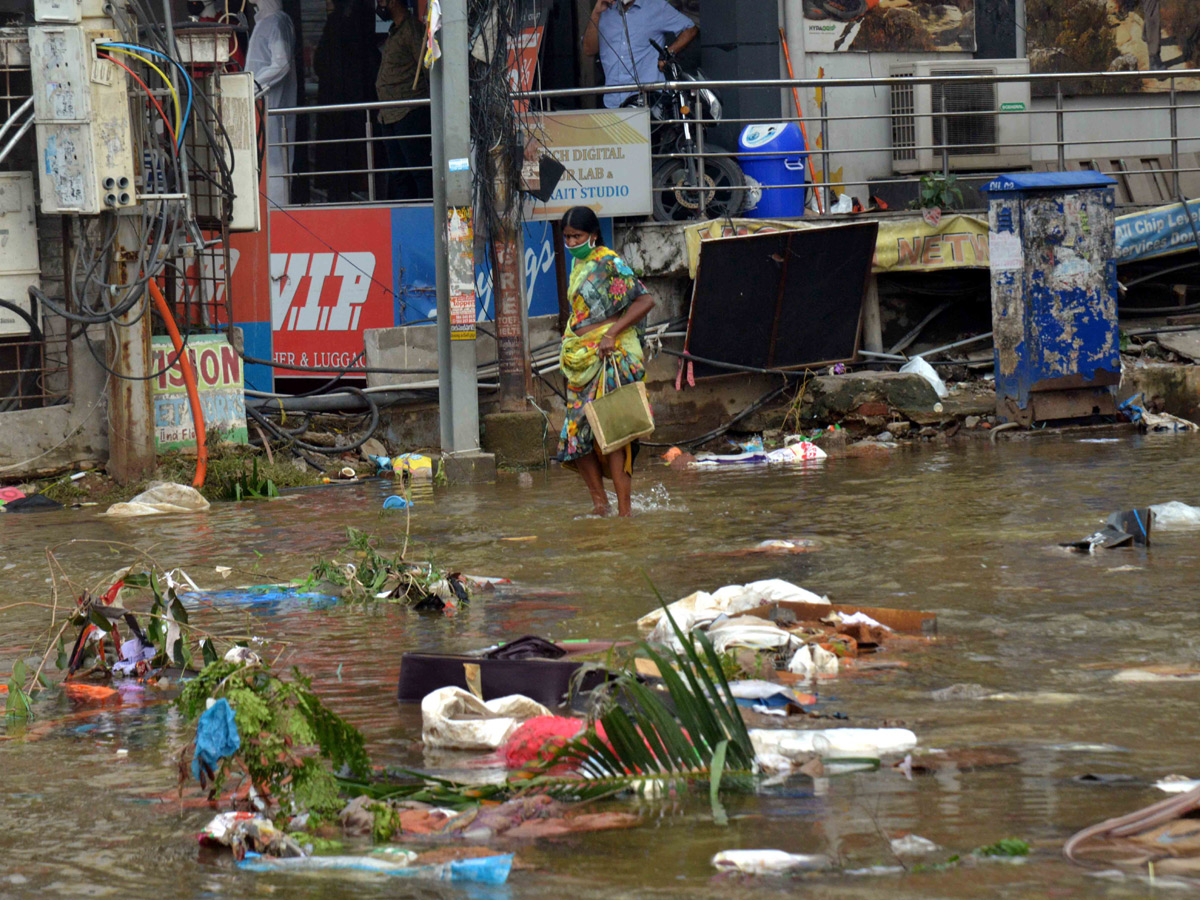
(643, 738)
(643, 743)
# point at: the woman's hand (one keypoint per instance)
(607, 345)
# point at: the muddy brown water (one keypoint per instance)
(967, 533)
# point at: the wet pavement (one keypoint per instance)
(968, 533)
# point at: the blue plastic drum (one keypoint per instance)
(774, 154)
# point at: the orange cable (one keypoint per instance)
(787, 55)
(189, 379)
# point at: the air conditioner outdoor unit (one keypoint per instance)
(986, 124)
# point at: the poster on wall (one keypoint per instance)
(219, 384)
(1116, 36)
(330, 280)
(905, 26)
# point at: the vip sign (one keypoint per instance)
(331, 276)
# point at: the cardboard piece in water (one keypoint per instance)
(220, 382)
(781, 299)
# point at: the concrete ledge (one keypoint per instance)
(470, 468)
(56, 438)
(869, 395)
(1173, 388)
(518, 439)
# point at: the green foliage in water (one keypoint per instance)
(248, 486)
(1005, 847)
(167, 627)
(365, 574)
(288, 735)
(16, 701)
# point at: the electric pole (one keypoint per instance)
(458, 389)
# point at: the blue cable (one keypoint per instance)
(187, 112)
(1138, 519)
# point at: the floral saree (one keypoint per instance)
(602, 286)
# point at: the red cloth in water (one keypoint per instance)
(537, 738)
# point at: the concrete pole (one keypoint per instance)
(449, 91)
(131, 455)
(1019, 16)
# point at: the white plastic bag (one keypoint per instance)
(766, 862)
(812, 660)
(1175, 515)
(452, 717)
(918, 366)
(793, 453)
(161, 497)
(701, 608)
(845, 204)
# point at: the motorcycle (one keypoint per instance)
(681, 190)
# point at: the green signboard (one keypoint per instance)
(220, 383)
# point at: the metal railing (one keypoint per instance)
(1140, 142)
(356, 175)
(35, 362)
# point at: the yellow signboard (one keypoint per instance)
(909, 244)
(607, 159)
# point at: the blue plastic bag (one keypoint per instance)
(216, 737)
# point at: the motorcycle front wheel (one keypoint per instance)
(678, 198)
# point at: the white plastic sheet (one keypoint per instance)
(750, 632)
(831, 742)
(161, 497)
(701, 608)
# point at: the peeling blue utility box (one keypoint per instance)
(1054, 295)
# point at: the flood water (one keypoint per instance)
(968, 533)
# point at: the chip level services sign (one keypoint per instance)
(607, 157)
(220, 382)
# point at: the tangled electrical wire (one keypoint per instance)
(497, 131)
(172, 162)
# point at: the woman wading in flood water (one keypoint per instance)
(608, 308)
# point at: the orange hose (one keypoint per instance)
(189, 379)
(787, 55)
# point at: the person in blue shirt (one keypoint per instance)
(621, 31)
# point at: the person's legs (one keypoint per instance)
(1152, 32)
(593, 477)
(400, 184)
(419, 152)
(622, 482)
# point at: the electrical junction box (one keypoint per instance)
(18, 227)
(81, 111)
(15, 289)
(235, 108)
(19, 264)
(67, 12)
